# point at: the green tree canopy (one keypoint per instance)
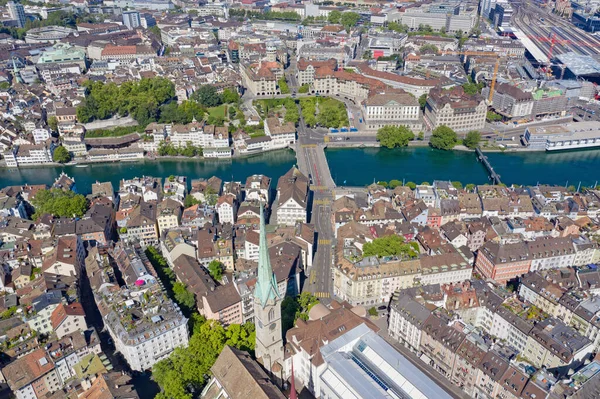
(61, 155)
(349, 19)
(53, 123)
(428, 49)
(423, 100)
(457, 185)
(491, 116)
(183, 296)
(472, 139)
(283, 86)
(334, 17)
(443, 138)
(394, 183)
(215, 269)
(59, 203)
(411, 185)
(391, 245)
(230, 96)
(207, 96)
(303, 89)
(394, 136)
(294, 308)
(140, 99)
(185, 371)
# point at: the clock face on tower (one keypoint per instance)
(272, 327)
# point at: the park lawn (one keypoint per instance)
(115, 132)
(218, 112)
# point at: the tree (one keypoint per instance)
(411, 185)
(334, 17)
(443, 138)
(423, 100)
(367, 55)
(304, 88)
(183, 296)
(472, 139)
(470, 187)
(183, 374)
(283, 86)
(428, 49)
(421, 136)
(383, 183)
(394, 183)
(349, 19)
(53, 123)
(294, 308)
(230, 96)
(215, 269)
(491, 116)
(457, 185)
(373, 311)
(207, 95)
(61, 155)
(394, 136)
(59, 203)
(391, 245)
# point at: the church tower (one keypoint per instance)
(267, 309)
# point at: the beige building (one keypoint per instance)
(68, 319)
(352, 85)
(455, 109)
(306, 69)
(395, 108)
(261, 78)
(168, 215)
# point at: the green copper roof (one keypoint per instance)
(266, 283)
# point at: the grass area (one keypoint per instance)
(116, 132)
(218, 112)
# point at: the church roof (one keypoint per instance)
(266, 285)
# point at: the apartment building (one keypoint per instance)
(550, 252)
(503, 262)
(455, 109)
(261, 78)
(168, 214)
(147, 340)
(282, 135)
(510, 101)
(393, 107)
(354, 85)
(141, 226)
(28, 154)
(292, 198)
(306, 69)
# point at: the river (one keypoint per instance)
(274, 164)
(356, 167)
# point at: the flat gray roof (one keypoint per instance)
(360, 349)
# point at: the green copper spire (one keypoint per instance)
(266, 283)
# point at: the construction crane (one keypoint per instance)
(482, 54)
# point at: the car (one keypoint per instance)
(382, 307)
(293, 94)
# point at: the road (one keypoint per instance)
(312, 162)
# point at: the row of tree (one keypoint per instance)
(346, 19)
(168, 149)
(442, 137)
(140, 99)
(392, 184)
(183, 374)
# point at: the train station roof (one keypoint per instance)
(580, 65)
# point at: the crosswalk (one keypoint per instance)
(324, 242)
(309, 146)
(322, 294)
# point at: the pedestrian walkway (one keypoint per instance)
(322, 294)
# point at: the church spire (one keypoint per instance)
(266, 283)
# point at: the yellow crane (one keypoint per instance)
(482, 54)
